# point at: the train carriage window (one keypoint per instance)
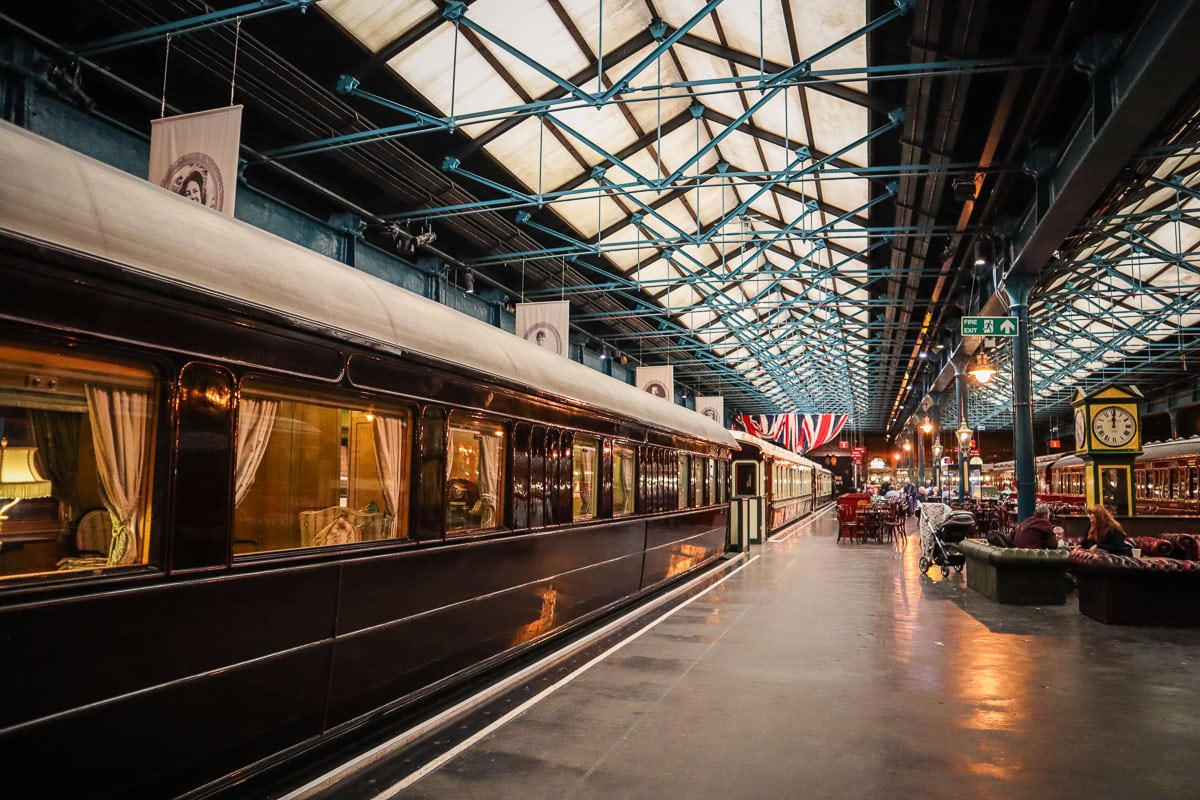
(585, 458)
(711, 481)
(623, 480)
(76, 462)
(722, 481)
(474, 474)
(315, 471)
(683, 480)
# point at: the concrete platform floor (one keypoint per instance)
(825, 670)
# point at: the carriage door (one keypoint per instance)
(746, 522)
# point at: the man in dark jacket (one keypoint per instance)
(1037, 531)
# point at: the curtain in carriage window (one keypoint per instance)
(390, 448)
(584, 484)
(56, 437)
(623, 477)
(120, 426)
(255, 421)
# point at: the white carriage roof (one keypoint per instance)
(774, 450)
(54, 194)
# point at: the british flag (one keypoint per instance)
(821, 428)
(782, 429)
(797, 432)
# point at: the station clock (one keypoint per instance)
(1108, 436)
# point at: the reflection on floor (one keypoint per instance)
(840, 671)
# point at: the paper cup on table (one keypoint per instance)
(1137, 552)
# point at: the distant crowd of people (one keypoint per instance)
(1037, 531)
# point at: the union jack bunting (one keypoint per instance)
(796, 432)
(821, 428)
(782, 429)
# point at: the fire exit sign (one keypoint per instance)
(989, 326)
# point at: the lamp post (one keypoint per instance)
(937, 463)
(964, 435)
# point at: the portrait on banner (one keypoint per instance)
(545, 324)
(196, 156)
(658, 381)
(712, 407)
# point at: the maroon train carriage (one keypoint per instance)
(266, 498)
(1166, 478)
(792, 485)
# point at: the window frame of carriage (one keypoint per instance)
(149, 369)
(262, 385)
(704, 470)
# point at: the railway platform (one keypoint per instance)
(816, 670)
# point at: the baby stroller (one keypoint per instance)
(940, 526)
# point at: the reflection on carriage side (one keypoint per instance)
(303, 491)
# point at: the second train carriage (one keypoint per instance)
(793, 486)
(270, 499)
(1166, 478)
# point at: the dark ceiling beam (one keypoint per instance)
(779, 141)
(1129, 103)
(746, 60)
(401, 43)
(634, 45)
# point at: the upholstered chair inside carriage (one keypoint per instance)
(94, 534)
(93, 538)
(337, 525)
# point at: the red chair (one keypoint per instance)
(849, 526)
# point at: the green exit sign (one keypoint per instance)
(989, 326)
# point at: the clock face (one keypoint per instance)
(1114, 426)
(1080, 430)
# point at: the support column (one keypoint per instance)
(964, 454)
(920, 435)
(1017, 288)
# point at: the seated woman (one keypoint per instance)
(1105, 533)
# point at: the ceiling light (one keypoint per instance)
(981, 368)
(981, 253)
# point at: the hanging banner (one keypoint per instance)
(782, 429)
(817, 429)
(196, 155)
(712, 407)
(545, 324)
(658, 381)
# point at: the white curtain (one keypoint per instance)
(587, 479)
(389, 460)
(119, 430)
(256, 418)
(489, 479)
(626, 484)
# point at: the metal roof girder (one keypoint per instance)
(200, 22)
(455, 12)
(663, 46)
(1147, 82)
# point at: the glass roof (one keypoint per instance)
(681, 157)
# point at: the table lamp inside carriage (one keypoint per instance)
(19, 477)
